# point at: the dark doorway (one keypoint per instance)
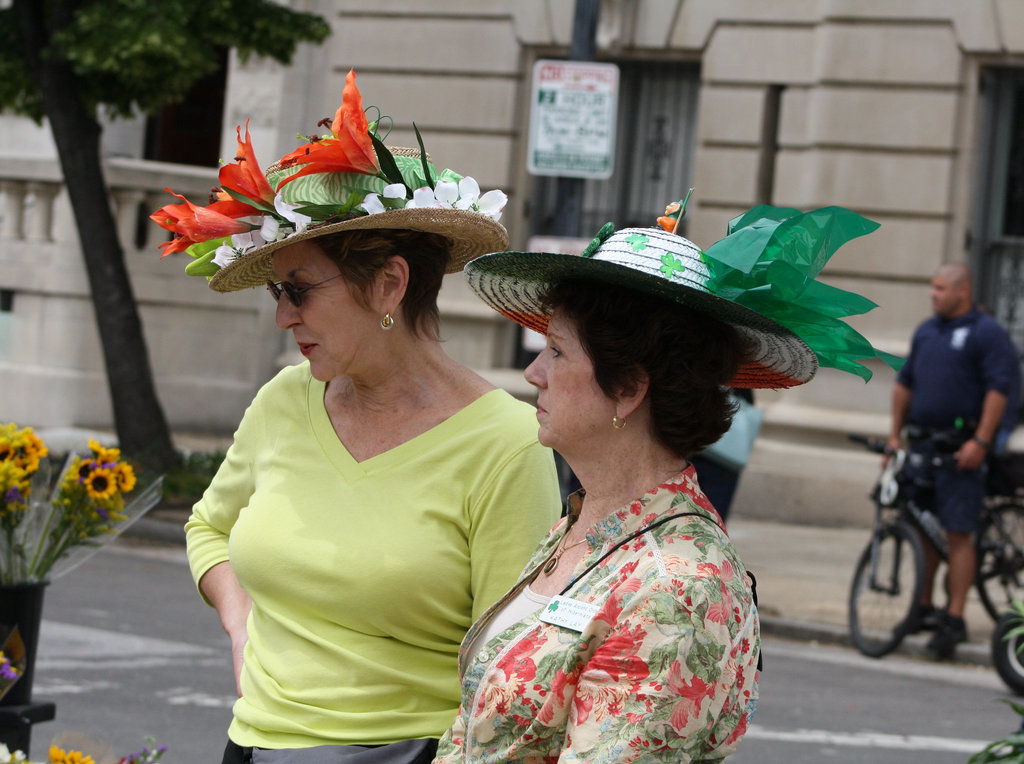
(189, 132)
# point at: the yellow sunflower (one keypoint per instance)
(125, 477)
(60, 756)
(34, 445)
(101, 484)
(104, 455)
(83, 468)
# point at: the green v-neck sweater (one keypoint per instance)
(365, 576)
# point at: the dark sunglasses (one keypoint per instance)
(292, 292)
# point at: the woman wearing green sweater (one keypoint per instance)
(362, 518)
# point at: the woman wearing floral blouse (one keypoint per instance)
(633, 634)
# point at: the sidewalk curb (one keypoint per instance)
(974, 654)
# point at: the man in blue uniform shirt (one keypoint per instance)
(961, 368)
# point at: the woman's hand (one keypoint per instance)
(222, 589)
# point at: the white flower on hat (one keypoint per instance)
(240, 244)
(490, 204)
(372, 203)
(464, 196)
(224, 255)
(426, 197)
(287, 211)
(270, 228)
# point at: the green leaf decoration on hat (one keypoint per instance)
(606, 230)
(388, 167)
(203, 253)
(768, 263)
(423, 158)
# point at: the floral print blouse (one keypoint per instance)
(666, 670)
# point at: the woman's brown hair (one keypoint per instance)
(687, 356)
(360, 255)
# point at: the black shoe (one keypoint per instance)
(951, 632)
(926, 619)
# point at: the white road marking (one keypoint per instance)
(63, 687)
(868, 739)
(64, 646)
(185, 696)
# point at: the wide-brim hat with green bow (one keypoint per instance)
(759, 279)
(346, 181)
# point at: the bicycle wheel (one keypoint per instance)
(1006, 654)
(1000, 549)
(886, 589)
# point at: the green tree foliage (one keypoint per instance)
(65, 60)
(143, 54)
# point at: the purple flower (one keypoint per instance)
(13, 495)
(7, 671)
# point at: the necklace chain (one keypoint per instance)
(552, 563)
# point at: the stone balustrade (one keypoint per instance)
(29, 189)
(209, 352)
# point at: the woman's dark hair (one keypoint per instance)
(360, 255)
(687, 356)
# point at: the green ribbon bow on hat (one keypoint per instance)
(768, 263)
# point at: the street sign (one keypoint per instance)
(572, 119)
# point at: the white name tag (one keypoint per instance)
(569, 613)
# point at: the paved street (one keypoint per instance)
(827, 703)
(129, 650)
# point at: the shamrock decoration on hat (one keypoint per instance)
(760, 279)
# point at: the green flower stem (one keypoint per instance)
(39, 549)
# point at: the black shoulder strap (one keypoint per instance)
(642, 531)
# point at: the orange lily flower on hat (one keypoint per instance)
(350, 150)
(244, 178)
(191, 223)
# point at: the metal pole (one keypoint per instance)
(569, 201)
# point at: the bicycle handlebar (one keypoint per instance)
(871, 444)
(879, 446)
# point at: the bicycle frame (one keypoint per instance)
(893, 585)
(890, 493)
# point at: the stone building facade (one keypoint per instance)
(909, 112)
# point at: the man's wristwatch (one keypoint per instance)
(983, 443)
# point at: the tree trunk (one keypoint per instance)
(138, 417)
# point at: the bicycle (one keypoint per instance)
(888, 579)
(1007, 647)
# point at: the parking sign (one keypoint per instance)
(572, 119)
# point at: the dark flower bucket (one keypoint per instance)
(21, 605)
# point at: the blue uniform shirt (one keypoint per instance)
(953, 364)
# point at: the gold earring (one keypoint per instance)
(617, 423)
(387, 322)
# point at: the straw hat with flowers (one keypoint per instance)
(348, 180)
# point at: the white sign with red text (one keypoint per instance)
(572, 119)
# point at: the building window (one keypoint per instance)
(997, 244)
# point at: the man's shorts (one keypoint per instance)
(958, 495)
